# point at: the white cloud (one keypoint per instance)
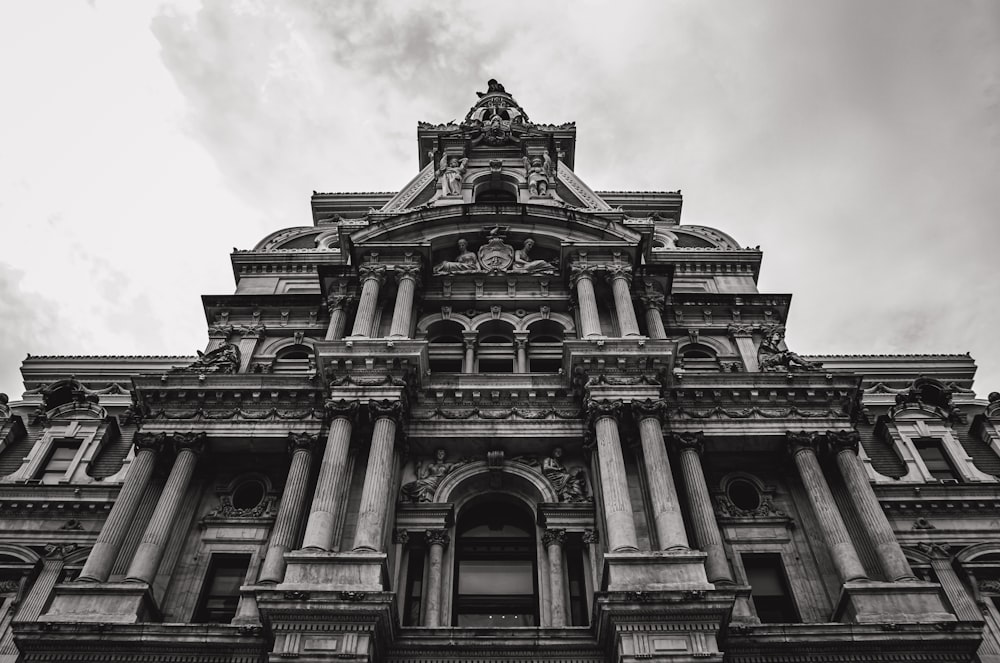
(857, 143)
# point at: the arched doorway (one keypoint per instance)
(495, 565)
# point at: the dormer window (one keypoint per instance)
(296, 359)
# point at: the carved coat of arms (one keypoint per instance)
(495, 255)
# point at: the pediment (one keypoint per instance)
(435, 232)
(549, 225)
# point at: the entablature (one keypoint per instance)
(283, 261)
(708, 261)
(899, 371)
(721, 310)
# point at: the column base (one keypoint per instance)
(111, 602)
(655, 571)
(892, 603)
(356, 571)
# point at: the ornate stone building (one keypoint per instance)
(499, 416)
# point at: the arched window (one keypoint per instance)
(698, 357)
(545, 346)
(496, 347)
(294, 359)
(496, 577)
(445, 352)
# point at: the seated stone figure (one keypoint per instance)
(523, 263)
(224, 359)
(466, 261)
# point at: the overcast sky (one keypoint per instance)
(858, 143)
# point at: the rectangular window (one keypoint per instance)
(935, 459)
(59, 461)
(769, 591)
(414, 587)
(578, 613)
(220, 594)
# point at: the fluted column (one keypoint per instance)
(620, 276)
(407, 278)
(38, 596)
(706, 528)
(375, 493)
(614, 483)
(890, 554)
(109, 541)
(250, 336)
(521, 346)
(324, 509)
(742, 335)
(372, 276)
(437, 541)
(469, 342)
(838, 542)
(153, 543)
(653, 304)
(667, 516)
(582, 281)
(286, 523)
(337, 305)
(553, 540)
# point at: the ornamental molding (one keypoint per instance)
(496, 413)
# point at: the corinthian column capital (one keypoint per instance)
(694, 441)
(555, 536)
(649, 409)
(386, 409)
(372, 271)
(802, 441)
(301, 441)
(194, 442)
(338, 302)
(579, 271)
(150, 441)
(844, 440)
(604, 408)
(437, 537)
(343, 409)
(740, 330)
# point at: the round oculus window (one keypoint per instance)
(743, 495)
(248, 494)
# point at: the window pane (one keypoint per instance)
(495, 578)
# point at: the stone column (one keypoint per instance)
(323, 512)
(614, 484)
(154, 541)
(218, 334)
(620, 276)
(582, 280)
(890, 554)
(437, 541)
(109, 541)
(667, 517)
(838, 542)
(407, 278)
(337, 305)
(375, 493)
(372, 276)
(250, 335)
(553, 540)
(521, 345)
(954, 589)
(34, 602)
(742, 335)
(653, 304)
(703, 522)
(286, 523)
(469, 341)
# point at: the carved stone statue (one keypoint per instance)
(540, 173)
(523, 263)
(492, 87)
(450, 172)
(771, 357)
(224, 359)
(466, 261)
(429, 477)
(570, 486)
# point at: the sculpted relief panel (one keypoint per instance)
(495, 257)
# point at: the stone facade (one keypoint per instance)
(499, 416)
